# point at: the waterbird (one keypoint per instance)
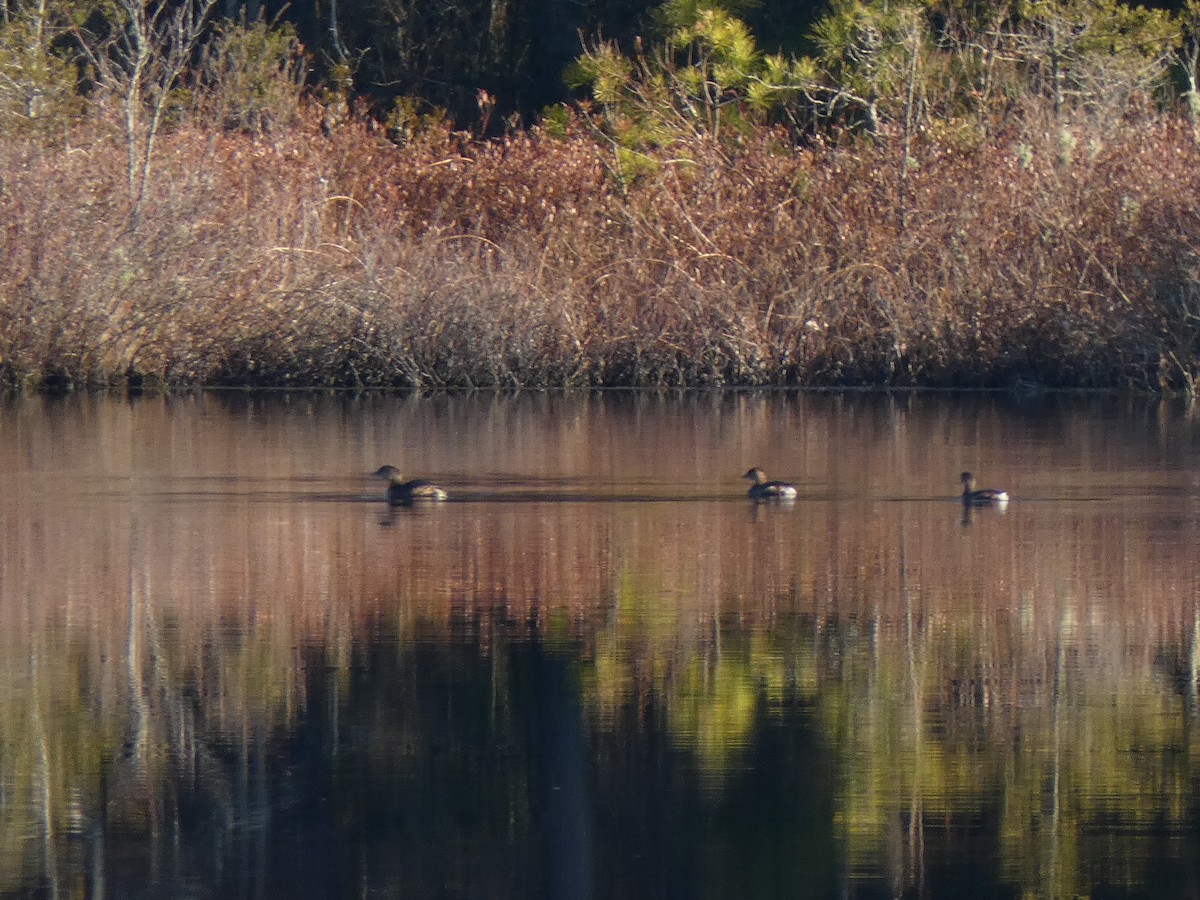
(983, 497)
(768, 490)
(405, 493)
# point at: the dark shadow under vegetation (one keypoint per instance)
(1047, 249)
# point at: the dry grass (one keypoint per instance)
(300, 258)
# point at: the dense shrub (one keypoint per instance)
(296, 257)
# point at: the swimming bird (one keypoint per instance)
(405, 493)
(983, 497)
(768, 490)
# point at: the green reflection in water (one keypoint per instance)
(647, 750)
(1059, 766)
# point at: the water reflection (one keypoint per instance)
(223, 675)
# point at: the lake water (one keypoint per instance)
(227, 669)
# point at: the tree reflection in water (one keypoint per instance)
(224, 684)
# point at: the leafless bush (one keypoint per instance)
(302, 258)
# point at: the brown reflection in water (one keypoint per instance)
(160, 549)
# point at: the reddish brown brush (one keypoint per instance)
(340, 259)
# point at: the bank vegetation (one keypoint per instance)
(1006, 196)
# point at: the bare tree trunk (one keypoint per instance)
(871, 115)
(914, 47)
(1191, 97)
(140, 64)
(1055, 71)
(499, 32)
(337, 46)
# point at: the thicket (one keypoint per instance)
(936, 197)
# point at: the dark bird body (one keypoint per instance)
(981, 497)
(762, 489)
(405, 493)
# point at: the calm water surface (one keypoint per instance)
(227, 669)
